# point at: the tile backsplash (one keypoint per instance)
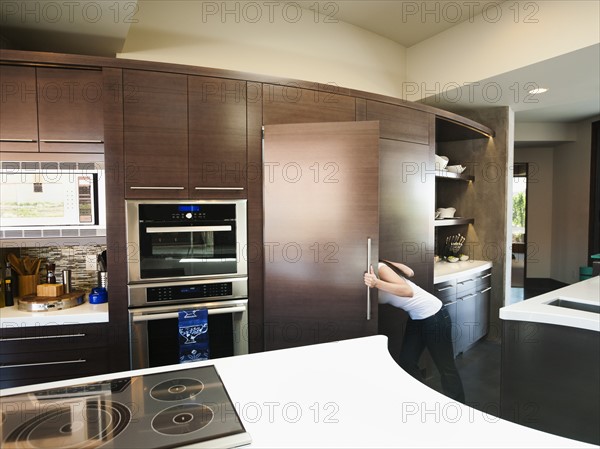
(66, 257)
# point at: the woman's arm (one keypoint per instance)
(388, 281)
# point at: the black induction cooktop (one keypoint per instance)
(162, 410)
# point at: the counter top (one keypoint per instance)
(347, 394)
(444, 271)
(11, 317)
(537, 309)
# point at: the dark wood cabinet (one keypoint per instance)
(292, 104)
(31, 355)
(18, 103)
(320, 210)
(400, 123)
(155, 134)
(56, 110)
(70, 110)
(217, 138)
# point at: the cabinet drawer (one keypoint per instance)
(36, 367)
(49, 339)
(446, 291)
(484, 279)
(465, 284)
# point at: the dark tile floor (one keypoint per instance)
(479, 367)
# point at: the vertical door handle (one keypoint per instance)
(368, 288)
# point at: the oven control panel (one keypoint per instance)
(183, 292)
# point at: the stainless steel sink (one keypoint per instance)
(570, 304)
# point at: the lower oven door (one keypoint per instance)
(154, 332)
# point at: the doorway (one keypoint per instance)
(519, 226)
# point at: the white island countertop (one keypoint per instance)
(349, 394)
(86, 313)
(537, 309)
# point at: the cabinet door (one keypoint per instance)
(407, 207)
(400, 122)
(466, 320)
(290, 104)
(18, 105)
(452, 307)
(217, 138)
(483, 312)
(71, 110)
(320, 208)
(155, 134)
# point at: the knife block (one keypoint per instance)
(51, 290)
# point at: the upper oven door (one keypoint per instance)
(186, 239)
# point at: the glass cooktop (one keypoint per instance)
(162, 410)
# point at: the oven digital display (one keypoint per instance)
(189, 208)
(183, 292)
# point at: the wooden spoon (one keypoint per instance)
(16, 264)
(29, 264)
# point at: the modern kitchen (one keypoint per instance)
(193, 193)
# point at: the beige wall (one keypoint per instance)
(505, 37)
(570, 213)
(281, 41)
(539, 209)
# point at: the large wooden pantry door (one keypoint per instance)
(321, 206)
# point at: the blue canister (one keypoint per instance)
(98, 295)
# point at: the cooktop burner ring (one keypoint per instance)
(68, 424)
(182, 419)
(177, 389)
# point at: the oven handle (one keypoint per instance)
(187, 229)
(164, 316)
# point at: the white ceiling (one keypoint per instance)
(101, 29)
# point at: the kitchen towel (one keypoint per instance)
(193, 335)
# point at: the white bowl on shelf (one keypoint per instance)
(441, 162)
(456, 168)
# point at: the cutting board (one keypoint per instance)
(34, 303)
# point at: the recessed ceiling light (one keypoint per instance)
(539, 90)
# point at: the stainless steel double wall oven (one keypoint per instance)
(186, 255)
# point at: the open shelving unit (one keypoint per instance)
(453, 221)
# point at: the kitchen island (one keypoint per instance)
(345, 394)
(551, 362)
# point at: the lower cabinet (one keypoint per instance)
(33, 355)
(467, 299)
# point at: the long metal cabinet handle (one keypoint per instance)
(445, 288)
(58, 362)
(70, 141)
(41, 337)
(156, 188)
(368, 269)
(165, 316)
(18, 140)
(483, 291)
(157, 230)
(485, 276)
(218, 188)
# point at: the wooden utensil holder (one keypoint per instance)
(28, 284)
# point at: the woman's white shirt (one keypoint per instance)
(420, 306)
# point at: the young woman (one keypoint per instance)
(429, 325)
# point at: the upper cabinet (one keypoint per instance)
(155, 134)
(284, 104)
(184, 136)
(70, 110)
(51, 110)
(217, 137)
(400, 123)
(18, 127)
